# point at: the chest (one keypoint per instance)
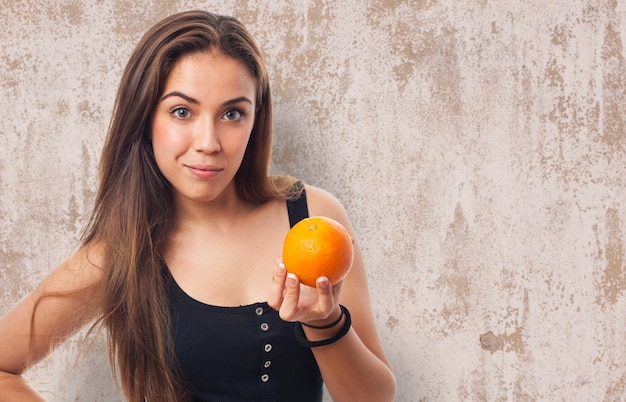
(229, 269)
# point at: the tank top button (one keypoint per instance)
(259, 311)
(265, 378)
(268, 347)
(267, 364)
(264, 327)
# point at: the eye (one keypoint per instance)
(181, 112)
(234, 114)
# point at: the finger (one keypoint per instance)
(326, 299)
(289, 306)
(275, 298)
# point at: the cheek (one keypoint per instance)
(166, 141)
(237, 144)
(243, 140)
(164, 148)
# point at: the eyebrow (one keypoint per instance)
(180, 95)
(195, 101)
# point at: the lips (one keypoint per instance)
(203, 171)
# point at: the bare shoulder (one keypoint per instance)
(81, 270)
(323, 203)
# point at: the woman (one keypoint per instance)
(179, 261)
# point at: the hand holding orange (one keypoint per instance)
(318, 246)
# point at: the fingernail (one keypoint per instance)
(292, 279)
(280, 269)
(323, 282)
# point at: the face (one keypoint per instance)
(202, 124)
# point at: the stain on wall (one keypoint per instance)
(479, 148)
(613, 281)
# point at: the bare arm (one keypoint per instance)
(354, 368)
(14, 388)
(56, 309)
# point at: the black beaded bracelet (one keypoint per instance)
(301, 337)
(332, 324)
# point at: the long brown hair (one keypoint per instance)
(133, 210)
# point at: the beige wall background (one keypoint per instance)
(479, 147)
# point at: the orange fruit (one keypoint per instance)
(318, 246)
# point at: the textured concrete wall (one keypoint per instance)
(479, 147)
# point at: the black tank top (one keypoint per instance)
(242, 353)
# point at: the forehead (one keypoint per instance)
(211, 72)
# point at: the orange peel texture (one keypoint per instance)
(318, 246)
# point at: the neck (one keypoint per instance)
(220, 213)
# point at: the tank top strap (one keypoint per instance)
(298, 208)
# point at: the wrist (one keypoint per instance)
(310, 337)
(331, 321)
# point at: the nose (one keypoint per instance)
(206, 137)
